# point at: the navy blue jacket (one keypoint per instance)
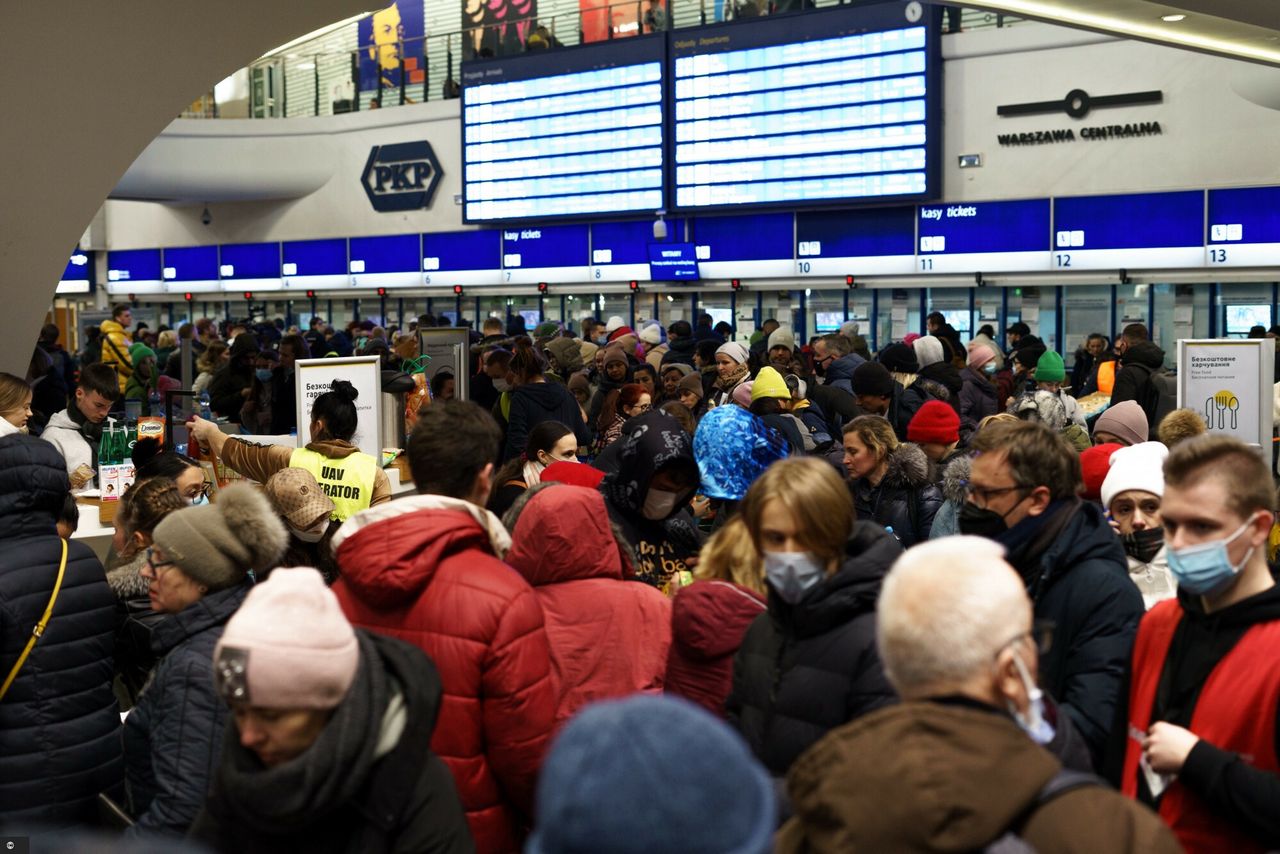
(533, 403)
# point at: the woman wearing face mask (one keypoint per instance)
(1132, 492)
(307, 514)
(549, 442)
(810, 664)
(978, 392)
(648, 494)
(15, 405)
(353, 479)
(731, 371)
(257, 412)
(196, 569)
(890, 480)
(151, 460)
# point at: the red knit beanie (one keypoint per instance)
(1095, 462)
(936, 423)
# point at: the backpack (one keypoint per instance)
(1158, 395)
(1066, 780)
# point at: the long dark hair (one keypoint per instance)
(525, 364)
(337, 409)
(543, 437)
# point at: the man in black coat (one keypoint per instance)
(1022, 493)
(1139, 359)
(230, 386)
(59, 724)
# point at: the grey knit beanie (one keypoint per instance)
(217, 544)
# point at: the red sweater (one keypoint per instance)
(708, 620)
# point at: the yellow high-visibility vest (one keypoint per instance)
(348, 481)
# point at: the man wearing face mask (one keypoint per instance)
(1131, 494)
(307, 515)
(952, 767)
(1201, 728)
(1023, 493)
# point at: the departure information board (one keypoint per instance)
(869, 242)
(1142, 230)
(833, 106)
(567, 133)
(984, 237)
(1244, 227)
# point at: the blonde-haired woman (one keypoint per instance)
(890, 479)
(810, 664)
(15, 404)
(710, 617)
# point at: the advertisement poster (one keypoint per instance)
(496, 27)
(391, 45)
(1229, 382)
(314, 377)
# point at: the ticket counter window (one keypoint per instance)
(1239, 319)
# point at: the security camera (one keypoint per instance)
(205, 216)
(659, 228)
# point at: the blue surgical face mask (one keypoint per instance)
(199, 499)
(989, 369)
(1033, 721)
(792, 574)
(263, 374)
(1206, 567)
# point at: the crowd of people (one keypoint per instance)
(656, 589)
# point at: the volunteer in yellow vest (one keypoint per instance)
(352, 479)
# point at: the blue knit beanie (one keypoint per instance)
(651, 773)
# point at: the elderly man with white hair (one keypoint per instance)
(956, 766)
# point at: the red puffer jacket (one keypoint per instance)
(423, 569)
(708, 621)
(609, 637)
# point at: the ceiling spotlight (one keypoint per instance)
(1173, 19)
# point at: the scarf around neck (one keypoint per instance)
(737, 375)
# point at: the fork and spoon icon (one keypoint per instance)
(1219, 405)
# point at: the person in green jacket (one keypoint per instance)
(142, 380)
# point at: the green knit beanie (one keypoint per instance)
(1050, 368)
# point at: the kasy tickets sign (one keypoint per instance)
(316, 376)
(1229, 382)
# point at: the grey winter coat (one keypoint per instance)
(977, 396)
(954, 479)
(905, 500)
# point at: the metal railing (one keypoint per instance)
(411, 71)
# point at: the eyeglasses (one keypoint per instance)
(644, 407)
(983, 494)
(1041, 635)
(151, 562)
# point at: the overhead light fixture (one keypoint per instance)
(1173, 19)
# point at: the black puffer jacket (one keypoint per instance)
(808, 668)
(905, 500)
(172, 738)
(59, 727)
(1137, 365)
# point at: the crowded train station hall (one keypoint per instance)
(707, 426)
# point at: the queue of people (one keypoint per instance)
(781, 598)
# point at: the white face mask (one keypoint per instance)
(1033, 721)
(500, 385)
(659, 504)
(313, 535)
(792, 574)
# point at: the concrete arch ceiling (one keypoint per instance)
(88, 86)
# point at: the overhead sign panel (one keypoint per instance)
(462, 257)
(315, 263)
(393, 261)
(134, 271)
(77, 278)
(869, 242)
(984, 237)
(744, 246)
(250, 266)
(1147, 230)
(556, 253)
(619, 250)
(191, 269)
(1244, 227)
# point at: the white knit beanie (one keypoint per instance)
(652, 334)
(613, 324)
(1138, 467)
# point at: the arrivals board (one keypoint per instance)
(1145, 230)
(566, 133)
(1244, 227)
(462, 257)
(984, 237)
(828, 107)
(866, 242)
(134, 271)
(250, 267)
(385, 262)
(315, 263)
(191, 269)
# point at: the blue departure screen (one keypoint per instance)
(462, 250)
(250, 261)
(191, 264)
(819, 108)
(574, 132)
(864, 233)
(627, 242)
(1246, 215)
(672, 262)
(762, 237)
(398, 253)
(546, 246)
(1141, 221)
(1017, 226)
(315, 257)
(77, 267)
(133, 265)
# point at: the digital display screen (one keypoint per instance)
(191, 264)
(759, 237)
(566, 133)
(1241, 318)
(826, 107)
(1141, 221)
(546, 246)
(828, 321)
(1018, 226)
(133, 265)
(462, 250)
(315, 257)
(398, 253)
(250, 261)
(672, 262)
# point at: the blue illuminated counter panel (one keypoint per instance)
(572, 133)
(1244, 227)
(785, 112)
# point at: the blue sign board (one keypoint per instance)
(627, 242)
(545, 246)
(1244, 227)
(757, 237)
(462, 250)
(672, 262)
(397, 253)
(1140, 230)
(132, 265)
(315, 257)
(191, 264)
(250, 261)
(984, 236)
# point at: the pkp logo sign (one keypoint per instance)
(401, 177)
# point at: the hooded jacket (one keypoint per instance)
(1136, 366)
(808, 668)
(115, 350)
(401, 800)
(905, 500)
(68, 437)
(942, 381)
(708, 622)
(608, 636)
(653, 440)
(840, 372)
(950, 776)
(59, 726)
(533, 403)
(225, 388)
(977, 395)
(955, 478)
(679, 350)
(427, 570)
(173, 737)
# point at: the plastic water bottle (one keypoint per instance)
(205, 412)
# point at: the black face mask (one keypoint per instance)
(1143, 545)
(980, 521)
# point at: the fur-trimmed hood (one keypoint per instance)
(126, 580)
(955, 477)
(908, 468)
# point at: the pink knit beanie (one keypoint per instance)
(288, 647)
(742, 394)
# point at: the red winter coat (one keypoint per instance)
(708, 620)
(423, 569)
(609, 637)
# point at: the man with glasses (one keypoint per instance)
(955, 766)
(1023, 493)
(835, 361)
